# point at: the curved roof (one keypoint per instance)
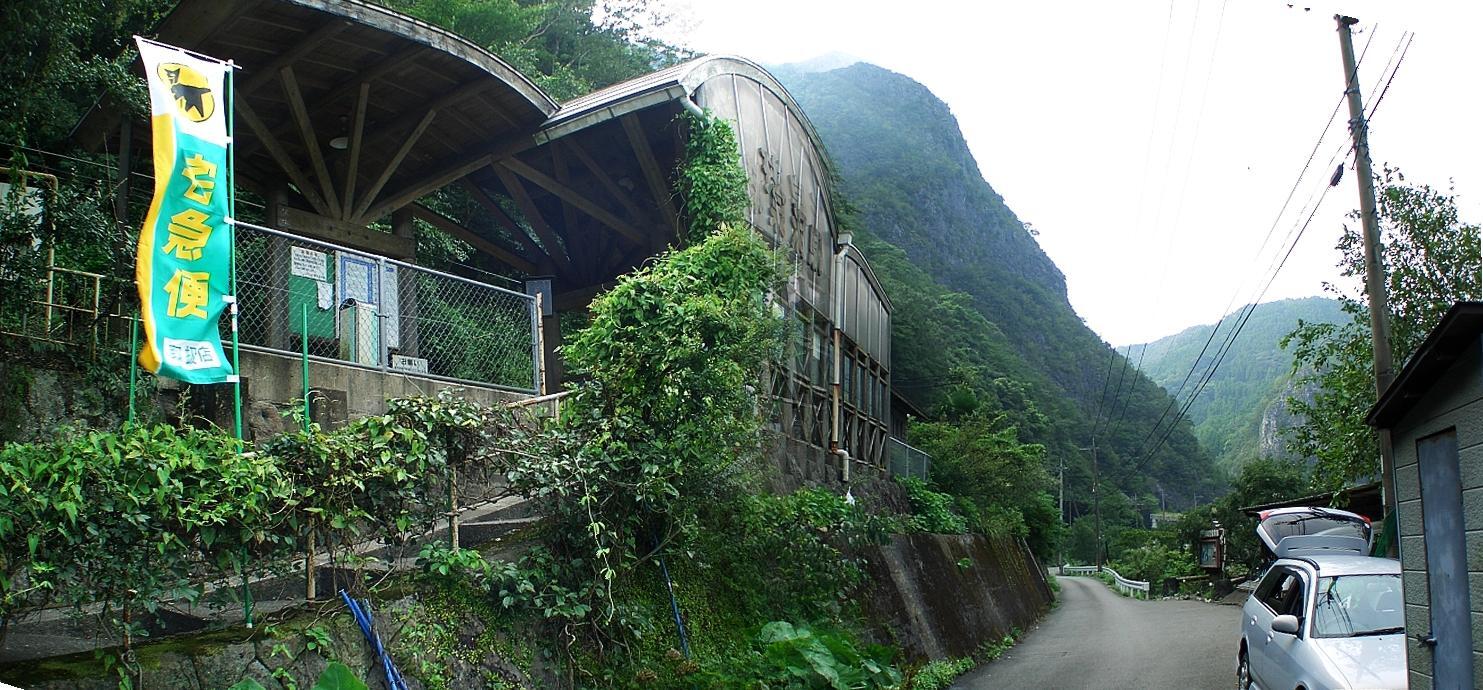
(428, 104)
(671, 83)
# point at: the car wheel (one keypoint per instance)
(1243, 672)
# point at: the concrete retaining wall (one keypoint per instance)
(942, 595)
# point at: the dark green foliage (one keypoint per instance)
(932, 511)
(1432, 260)
(1253, 381)
(802, 657)
(557, 42)
(713, 186)
(1260, 481)
(976, 301)
(1002, 480)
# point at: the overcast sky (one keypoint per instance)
(1152, 143)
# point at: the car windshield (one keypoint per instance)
(1357, 605)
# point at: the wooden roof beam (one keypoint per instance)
(452, 97)
(460, 232)
(357, 130)
(275, 149)
(361, 214)
(575, 198)
(306, 133)
(652, 176)
(445, 172)
(603, 178)
(533, 216)
(287, 58)
(504, 219)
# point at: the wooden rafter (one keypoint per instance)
(479, 242)
(275, 149)
(452, 97)
(533, 216)
(504, 219)
(368, 75)
(558, 168)
(652, 176)
(603, 178)
(391, 167)
(306, 132)
(287, 58)
(357, 129)
(575, 198)
(446, 171)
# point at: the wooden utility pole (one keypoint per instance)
(1096, 507)
(1375, 281)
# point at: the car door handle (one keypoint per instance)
(1269, 638)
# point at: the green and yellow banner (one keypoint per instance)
(185, 246)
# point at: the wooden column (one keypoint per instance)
(402, 226)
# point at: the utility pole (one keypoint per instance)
(1375, 282)
(1096, 506)
(1062, 514)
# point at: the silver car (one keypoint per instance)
(1324, 615)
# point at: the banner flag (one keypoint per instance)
(183, 270)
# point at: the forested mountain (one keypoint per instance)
(980, 310)
(1240, 413)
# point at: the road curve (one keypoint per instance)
(1098, 639)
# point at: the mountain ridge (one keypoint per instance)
(979, 303)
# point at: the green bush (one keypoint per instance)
(940, 674)
(932, 511)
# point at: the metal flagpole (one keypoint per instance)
(231, 223)
(133, 369)
(304, 342)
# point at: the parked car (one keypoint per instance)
(1325, 614)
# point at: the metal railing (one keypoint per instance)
(906, 461)
(84, 312)
(1123, 584)
(361, 309)
(1078, 570)
(1126, 586)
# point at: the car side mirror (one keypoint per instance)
(1286, 624)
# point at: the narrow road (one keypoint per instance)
(1098, 639)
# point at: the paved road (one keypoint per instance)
(1098, 639)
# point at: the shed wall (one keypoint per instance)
(1454, 402)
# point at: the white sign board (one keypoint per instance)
(416, 365)
(307, 263)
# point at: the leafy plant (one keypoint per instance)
(797, 656)
(336, 676)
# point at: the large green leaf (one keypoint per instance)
(338, 676)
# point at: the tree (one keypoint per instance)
(980, 458)
(1432, 260)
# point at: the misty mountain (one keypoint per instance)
(978, 305)
(1241, 412)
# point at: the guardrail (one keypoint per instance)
(1127, 586)
(1078, 570)
(1123, 584)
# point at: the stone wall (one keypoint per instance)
(943, 595)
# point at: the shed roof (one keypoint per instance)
(360, 108)
(1458, 330)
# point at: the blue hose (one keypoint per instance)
(361, 613)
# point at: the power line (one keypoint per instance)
(1397, 57)
(1287, 201)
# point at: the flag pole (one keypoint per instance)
(232, 223)
(133, 369)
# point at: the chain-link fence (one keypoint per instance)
(376, 312)
(906, 461)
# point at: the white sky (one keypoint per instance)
(1151, 157)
